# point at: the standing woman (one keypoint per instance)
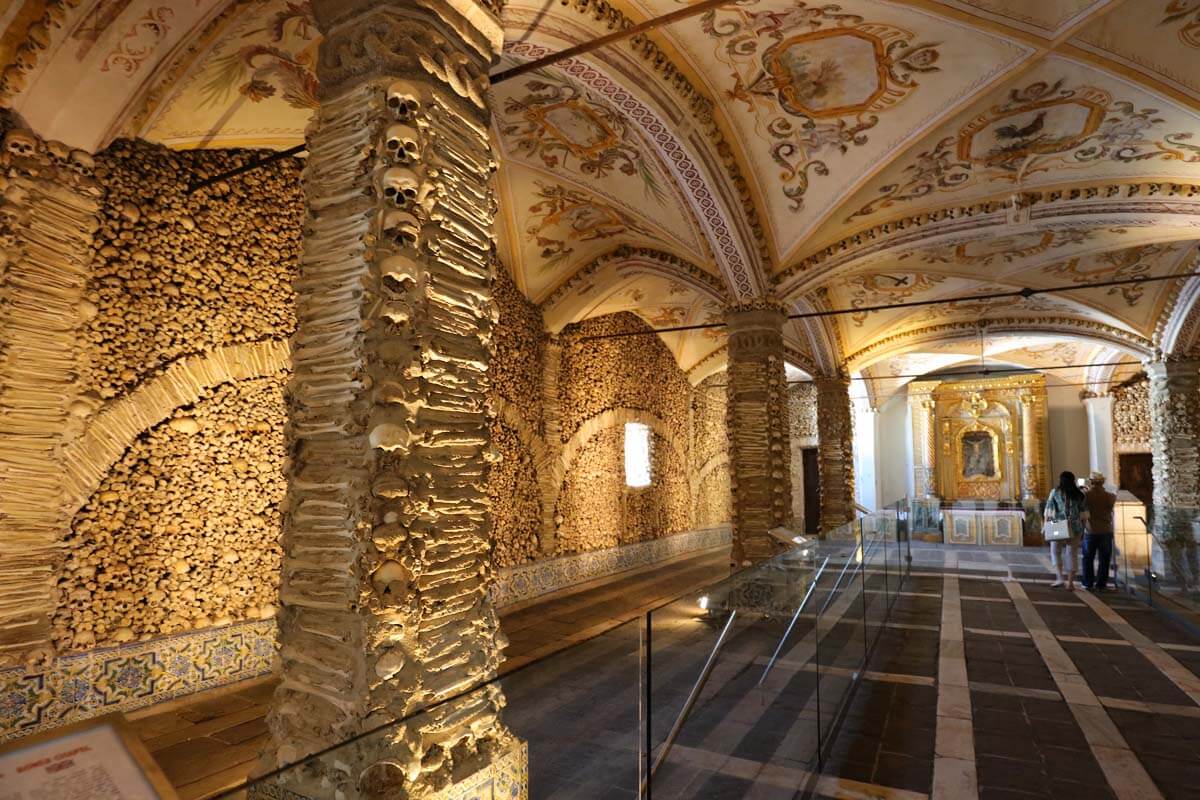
(1066, 502)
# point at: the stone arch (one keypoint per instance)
(1093, 332)
(88, 459)
(564, 306)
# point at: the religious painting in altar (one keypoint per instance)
(978, 435)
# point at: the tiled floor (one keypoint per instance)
(980, 685)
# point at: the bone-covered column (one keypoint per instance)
(384, 606)
(1175, 445)
(757, 421)
(49, 206)
(835, 451)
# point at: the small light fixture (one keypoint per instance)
(703, 602)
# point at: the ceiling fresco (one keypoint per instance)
(1062, 122)
(818, 94)
(829, 154)
(1045, 17)
(1065, 361)
(1173, 26)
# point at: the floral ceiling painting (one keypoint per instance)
(833, 152)
(562, 217)
(1139, 305)
(817, 92)
(817, 79)
(552, 119)
(553, 227)
(1040, 132)
(256, 81)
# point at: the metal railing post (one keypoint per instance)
(645, 746)
(862, 571)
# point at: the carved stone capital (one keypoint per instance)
(755, 331)
(452, 41)
(1174, 376)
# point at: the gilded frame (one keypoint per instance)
(998, 465)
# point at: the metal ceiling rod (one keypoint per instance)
(251, 165)
(970, 298)
(603, 41)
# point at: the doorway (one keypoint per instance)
(1135, 476)
(812, 491)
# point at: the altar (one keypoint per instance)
(980, 452)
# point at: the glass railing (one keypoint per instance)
(756, 669)
(1157, 552)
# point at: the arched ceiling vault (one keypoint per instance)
(830, 154)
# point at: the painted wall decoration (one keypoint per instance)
(817, 79)
(1186, 15)
(1041, 127)
(984, 308)
(258, 69)
(882, 288)
(139, 41)
(95, 22)
(996, 250)
(1136, 262)
(557, 121)
(563, 215)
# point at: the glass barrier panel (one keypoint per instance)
(840, 642)
(709, 699)
(571, 720)
(1174, 557)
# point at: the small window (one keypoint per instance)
(637, 455)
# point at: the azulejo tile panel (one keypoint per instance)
(527, 581)
(133, 676)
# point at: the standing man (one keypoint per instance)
(1099, 535)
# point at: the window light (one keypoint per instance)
(637, 455)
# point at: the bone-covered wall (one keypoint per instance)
(178, 274)
(180, 531)
(517, 374)
(802, 420)
(603, 384)
(1131, 417)
(178, 528)
(710, 454)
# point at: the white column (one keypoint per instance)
(866, 419)
(1100, 437)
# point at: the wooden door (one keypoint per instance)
(1134, 475)
(812, 491)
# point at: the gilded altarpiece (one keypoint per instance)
(980, 449)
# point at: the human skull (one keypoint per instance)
(58, 152)
(400, 270)
(20, 143)
(406, 99)
(403, 227)
(400, 185)
(403, 143)
(82, 162)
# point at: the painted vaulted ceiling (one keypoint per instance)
(832, 155)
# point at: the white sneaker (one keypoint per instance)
(1056, 584)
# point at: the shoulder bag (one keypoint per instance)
(1055, 530)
